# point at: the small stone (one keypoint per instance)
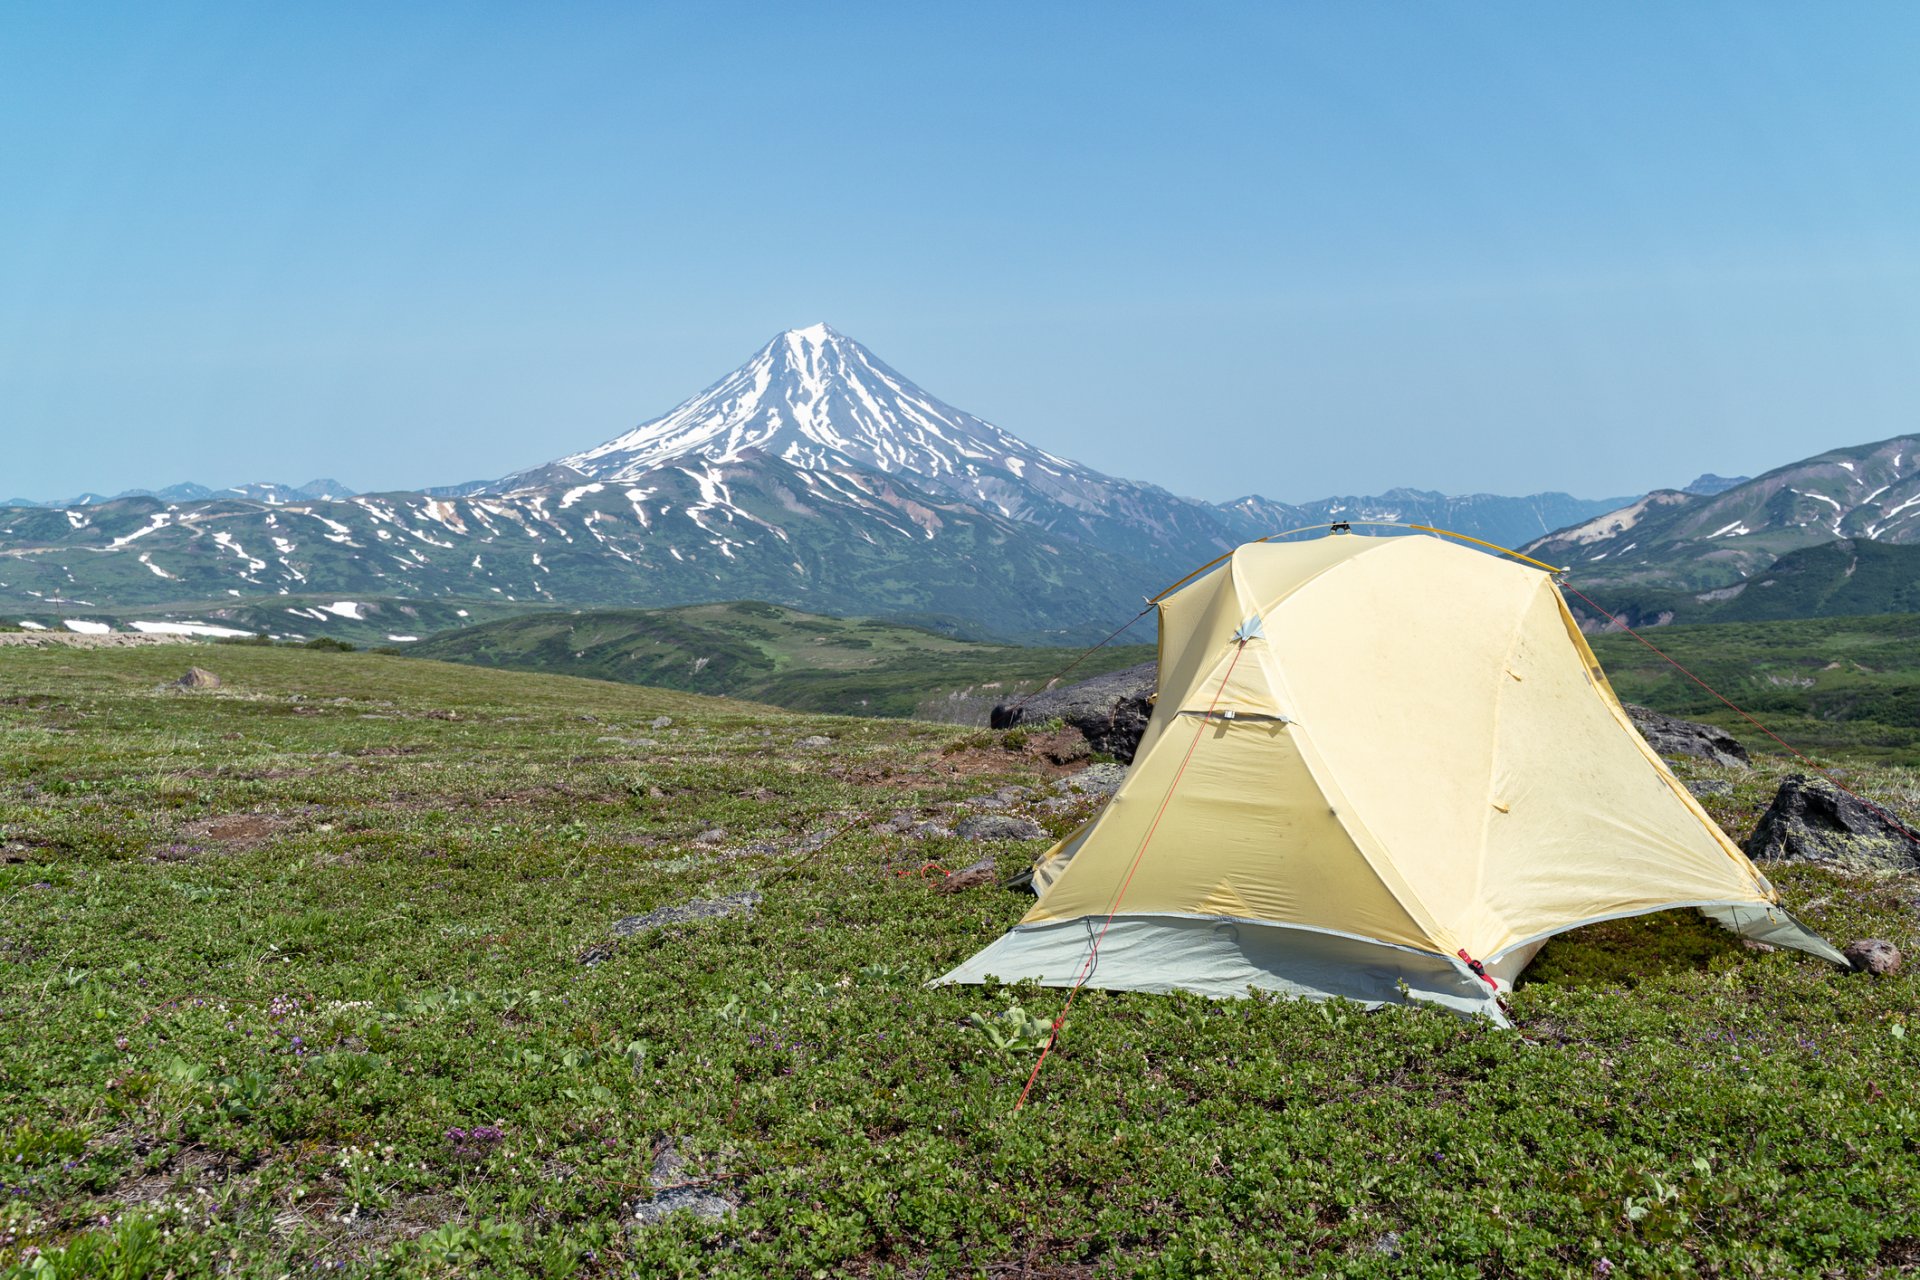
(711, 836)
(198, 678)
(933, 831)
(661, 722)
(671, 1194)
(1873, 955)
(699, 909)
(815, 740)
(1710, 787)
(1096, 780)
(1753, 944)
(997, 827)
(973, 877)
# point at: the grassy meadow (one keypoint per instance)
(315, 974)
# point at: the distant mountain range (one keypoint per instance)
(814, 476)
(262, 491)
(1701, 541)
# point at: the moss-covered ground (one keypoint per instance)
(313, 975)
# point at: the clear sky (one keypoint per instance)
(1299, 249)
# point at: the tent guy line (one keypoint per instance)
(1093, 952)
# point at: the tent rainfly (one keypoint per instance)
(1382, 768)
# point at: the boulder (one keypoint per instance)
(1672, 736)
(1811, 820)
(1873, 955)
(1110, 711)
(993, 826)
(198, 678)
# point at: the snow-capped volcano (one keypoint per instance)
(818, 400)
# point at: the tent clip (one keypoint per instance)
(1479, 970)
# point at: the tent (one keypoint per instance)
(1386, 768)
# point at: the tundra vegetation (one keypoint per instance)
(317, 973)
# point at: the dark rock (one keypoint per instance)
(198, 678)
(973, 877)
(988, 826)
(1110, 711)
(1709, 787)
(1873, 955)
(734, 904)
(1672, 736)
(1811, 820)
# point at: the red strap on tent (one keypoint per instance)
(1093, 952)
(1479, 970)
(1819, 769)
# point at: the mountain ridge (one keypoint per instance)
(814, 475)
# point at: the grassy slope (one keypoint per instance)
(775, 654)
(247, 1054)
(1849, 684)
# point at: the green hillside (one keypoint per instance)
(1825, 684)
(769, 653)
(1848, 577)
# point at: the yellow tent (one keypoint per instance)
(1384, 768)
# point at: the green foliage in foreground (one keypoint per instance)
(292, 983)
(1836, 684)
(770, 653)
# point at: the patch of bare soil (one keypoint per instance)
(1054, 755)
(224, 833)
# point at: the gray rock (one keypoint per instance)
(1811, 820)
(1672, 736)
(1709, 787)
(816, 740)
(1001, 799)
(1110, 711)
(988, 826)
(661, 722)
(933, 831)
(198, 678)
(734, 904)
(1873, 955)
(671, 1194)
(1096, 780)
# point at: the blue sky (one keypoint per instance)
(1294, 249)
